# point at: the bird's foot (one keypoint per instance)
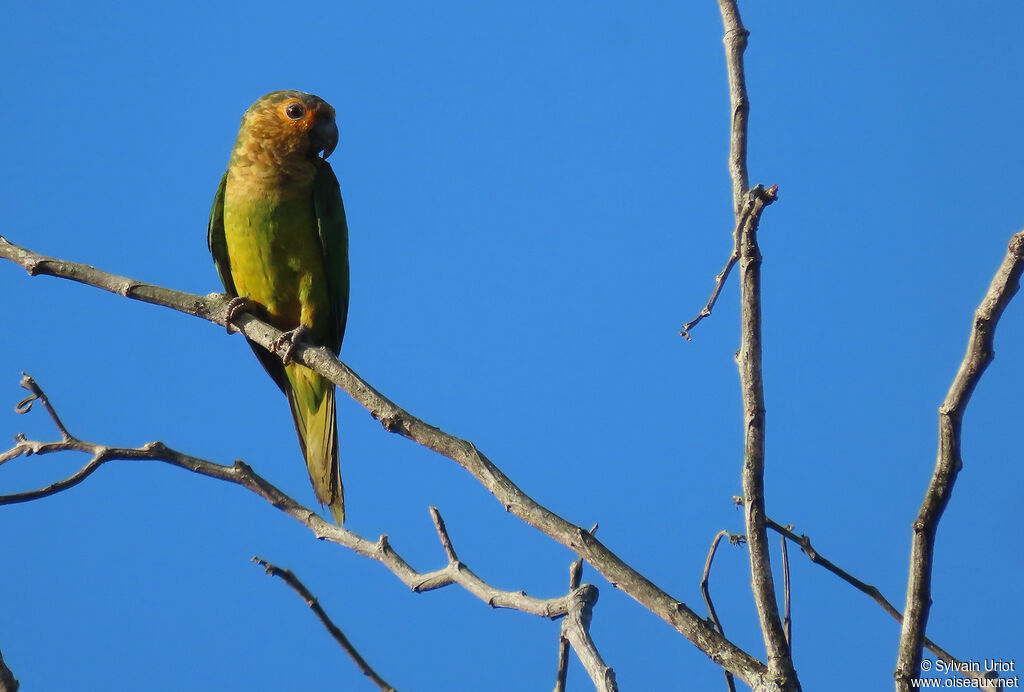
(287, 342)
(237, 306)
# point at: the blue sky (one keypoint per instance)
(538, 198)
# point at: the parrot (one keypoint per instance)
(279, 240)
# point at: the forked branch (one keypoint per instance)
(576, 629)
(242, 474)
(750, 216)
(575, 576)
(575, 607)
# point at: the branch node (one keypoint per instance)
(1016, 245)
(127, 287)
(25, 405)
(155, 447)
(391, 422)
(739, 35)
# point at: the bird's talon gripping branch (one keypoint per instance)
(236, 306)
(288, 341)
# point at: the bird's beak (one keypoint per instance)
(324, 136)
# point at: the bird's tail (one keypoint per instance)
(311, 398)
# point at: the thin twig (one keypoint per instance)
(562, 673)
(575, 576)
(922, 552)
(291, 580)
(734, 256)
(749, 218)
(787, 619)
(705, 589)
(874, 594)
(735, 44)
(442, 532)
(395, 419)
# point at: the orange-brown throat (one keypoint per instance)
(273, 142)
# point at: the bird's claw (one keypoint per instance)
(236, 306)
(288, 340)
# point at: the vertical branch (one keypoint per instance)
(780, 662)
(735, 44)
(979, 354)
(575, 577)
(787, 619)
(576, 629)
(749, 360)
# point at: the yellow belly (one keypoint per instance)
(276, 258)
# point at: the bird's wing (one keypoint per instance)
(216, 241)
(218, 244)
(330, 216)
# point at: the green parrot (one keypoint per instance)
(280, 242)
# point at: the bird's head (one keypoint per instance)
(284, 129)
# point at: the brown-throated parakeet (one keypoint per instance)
(280, 242)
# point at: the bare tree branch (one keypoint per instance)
(576, 629)
(442, 533)
(979, 354)
(575, 575)
(562, 674)
(395, 419)
(705, 589)
(780, 661)
(734, 256)
(787, 618)
(735, 44)
(872, 592)
(7, 680)
(25, 405)
(576, 606)
(291, 580)
(241, 474)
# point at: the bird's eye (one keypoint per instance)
(295, 110)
